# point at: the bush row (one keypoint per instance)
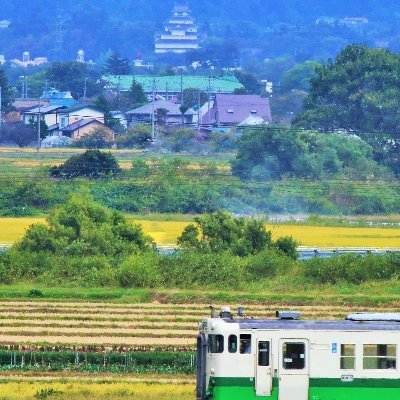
(183, 269)
(170, 192)
(188, 270)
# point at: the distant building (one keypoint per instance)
(4, 24)
(180, 33)
(80, 58)
(353, 21)
(81, 128)
(231, 110)
(47, 114)
(27, 62)
(172, 114)
(172, 85)
(55, 97)
(75, 113)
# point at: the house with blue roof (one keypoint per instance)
(57, 98)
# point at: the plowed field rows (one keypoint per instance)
(110, 324)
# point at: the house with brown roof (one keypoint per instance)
(81, 128)
(231, 110)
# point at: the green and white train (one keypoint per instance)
(291, 359)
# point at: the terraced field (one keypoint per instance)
(111, 324)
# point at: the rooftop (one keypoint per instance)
(172, 83)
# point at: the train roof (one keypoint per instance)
(331, 325)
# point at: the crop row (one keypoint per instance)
(132, 362)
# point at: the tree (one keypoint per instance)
(220, 232)
(191, 99)
(283, 151)
(138, 136)
(6, 93)
(116, 65)
(68, 76)
(359, 91)
(82, 227)
(97, 138)
(18, 133)
(249, 81)
(299, 77)
(137, 95)
(91, 164)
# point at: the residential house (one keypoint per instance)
(47, 114)
(231, 110)
(166, 112)
(67, 116)
(55, 97)
(81, 128)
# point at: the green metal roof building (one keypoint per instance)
(173, 84)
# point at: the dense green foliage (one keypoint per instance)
(82, 227)
(292, 152)
(91, 164)
(135, 137)
(6, 92)
(157, 184)
(98, 138)
(220, 232)
(359, 91)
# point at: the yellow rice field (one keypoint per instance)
(166, 232)
(96, 390)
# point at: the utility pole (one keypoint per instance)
(38, 134)
(198, 110)
(183, 120)
(153, 130)
(84, 90)
(208, 98)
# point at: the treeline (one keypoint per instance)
(84, 244)
(178, 186)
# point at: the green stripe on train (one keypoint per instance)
(320, 389)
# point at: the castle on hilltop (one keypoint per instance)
(180, 33)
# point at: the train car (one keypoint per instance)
(287, 358)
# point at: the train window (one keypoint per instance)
(294, 356)
(263, 354)
(347, 356)
(245, 344)
(379, 356)
(232, 343)
(215, 344)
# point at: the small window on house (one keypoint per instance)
(379, 356)
(215, 344)
(230, 111)
(347, 356)
(253, 111)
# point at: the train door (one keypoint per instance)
(293, 369)
(263, 378)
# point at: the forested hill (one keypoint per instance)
(129, 25)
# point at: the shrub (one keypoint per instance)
(139, 271)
